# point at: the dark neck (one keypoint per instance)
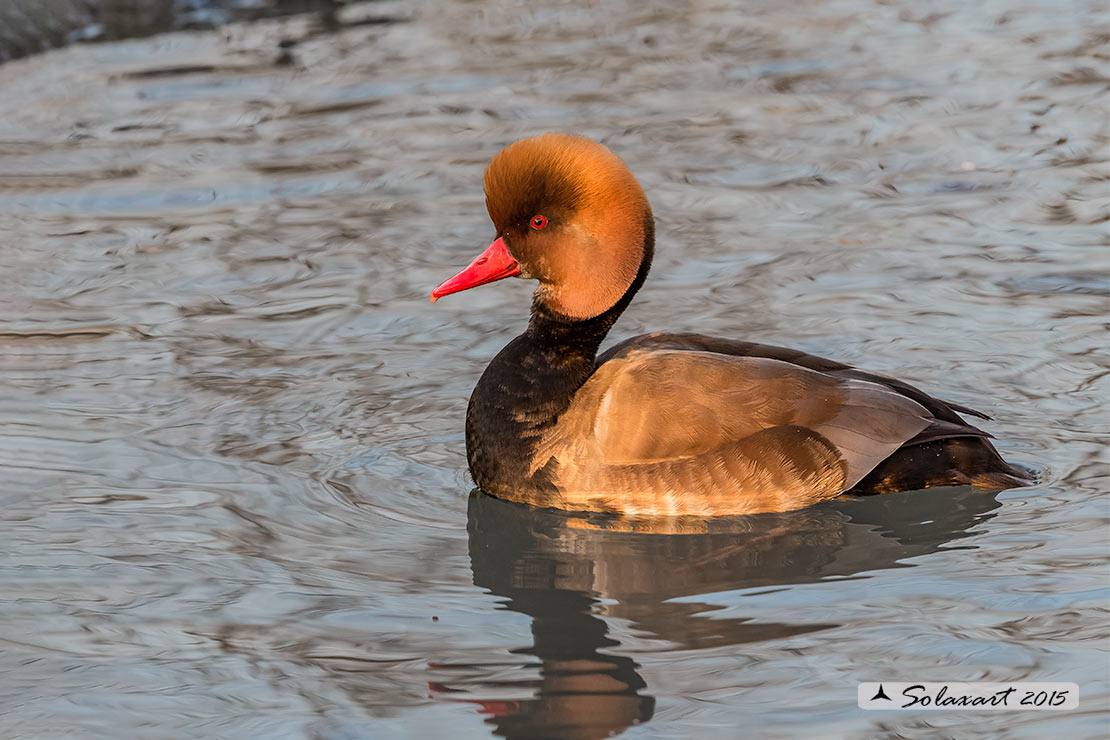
(529, 384)
(551, 331)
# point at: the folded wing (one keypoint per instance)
(667, 405)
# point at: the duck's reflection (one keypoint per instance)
(569, 572)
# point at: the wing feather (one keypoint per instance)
(668, 405)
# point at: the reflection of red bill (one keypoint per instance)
(498, 708)
(490, 708)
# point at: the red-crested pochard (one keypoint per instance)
(670, 424)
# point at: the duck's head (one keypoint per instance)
(569, 214)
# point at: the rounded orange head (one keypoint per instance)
(569, 214)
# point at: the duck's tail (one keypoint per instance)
(959, 461)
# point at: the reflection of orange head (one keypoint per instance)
(577, 700)
(574, 705)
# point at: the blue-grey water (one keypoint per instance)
(233, 494)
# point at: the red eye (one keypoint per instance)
(538, 222)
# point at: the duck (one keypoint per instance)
(670, 424)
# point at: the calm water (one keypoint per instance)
(235, 502)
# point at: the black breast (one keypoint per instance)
(521, 395)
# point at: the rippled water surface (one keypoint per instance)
(234, 497)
